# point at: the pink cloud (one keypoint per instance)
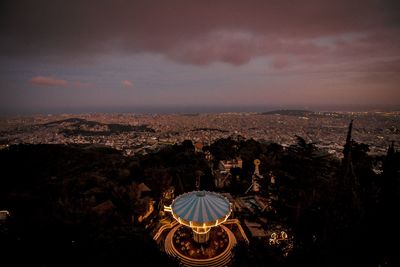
(280, 63)
(238, 48)
(179, 29)
(79, 84)
(47, 81)
(127, 83)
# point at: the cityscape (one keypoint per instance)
(243, 173)
(142, 133)
(200, 133)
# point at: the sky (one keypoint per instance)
(93, 55)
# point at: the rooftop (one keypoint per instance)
(199, 207)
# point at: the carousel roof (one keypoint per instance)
(198, 207)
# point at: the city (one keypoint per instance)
(277, 184)
(143, 133)
(200, 133)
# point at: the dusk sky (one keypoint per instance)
(77, 55)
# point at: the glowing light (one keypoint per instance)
(167, 208)
(200, 228)
(284, 235)
(276, 239)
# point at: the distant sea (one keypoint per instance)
(190, 109)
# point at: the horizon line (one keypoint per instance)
(171, 109)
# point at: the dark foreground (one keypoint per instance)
(76, 205)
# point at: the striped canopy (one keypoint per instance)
(200, 207)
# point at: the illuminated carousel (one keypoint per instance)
(200, 239)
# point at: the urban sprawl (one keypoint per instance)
(142, 133)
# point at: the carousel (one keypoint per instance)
(199, 238)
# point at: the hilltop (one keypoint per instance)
(289, 112)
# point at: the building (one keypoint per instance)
(227, 165)
(197, 237)
(4, 214)
(201, 210)
(222, 176)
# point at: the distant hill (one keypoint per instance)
(72, 121)
(76, 124)
(190, 114)
(289, 112)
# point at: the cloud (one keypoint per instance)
(183, 31)
(280, 63)
(127, 83)
(79, 84)
(47, 81)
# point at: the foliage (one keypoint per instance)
(89, 194)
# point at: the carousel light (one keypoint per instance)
(201, 210)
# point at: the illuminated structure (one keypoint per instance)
(222, 176)
(201, 210)
(255, 178)
(4, 214)
(197, 236)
